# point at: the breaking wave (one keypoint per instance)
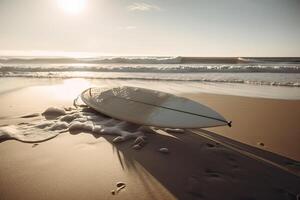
(205, 77)
(258, 74)
(152, 68)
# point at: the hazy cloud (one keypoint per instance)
(143, 7)
(126, 27)
(130, 27)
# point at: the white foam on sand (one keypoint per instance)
(30, 133)
(59, 120)
(54, 111)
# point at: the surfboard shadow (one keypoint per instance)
(198, 167)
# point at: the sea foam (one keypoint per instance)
(75, 121)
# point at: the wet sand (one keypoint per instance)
(87, 166)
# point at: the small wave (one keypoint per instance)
(152, 77)
(284, 60)
(155, 69)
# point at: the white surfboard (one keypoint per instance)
(152, 108)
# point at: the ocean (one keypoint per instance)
(259, 77)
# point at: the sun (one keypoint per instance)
(72, 6)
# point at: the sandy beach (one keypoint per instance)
(149, 100)
(258, 158)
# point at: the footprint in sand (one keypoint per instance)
(210, 145)
(31, 115)
(23, 123)
(120, 186)
(212, 173)
(260, 144)
(231, 158)
(34, 145)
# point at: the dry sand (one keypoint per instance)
(256, 121)
(86, 166)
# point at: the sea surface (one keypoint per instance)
(258, 77)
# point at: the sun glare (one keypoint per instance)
(72, 6)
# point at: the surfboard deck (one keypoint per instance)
(151, 108)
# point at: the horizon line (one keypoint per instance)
(87, 54)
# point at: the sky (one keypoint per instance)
(150, 27)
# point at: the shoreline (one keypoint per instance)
(10, 84)
(260, 122)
